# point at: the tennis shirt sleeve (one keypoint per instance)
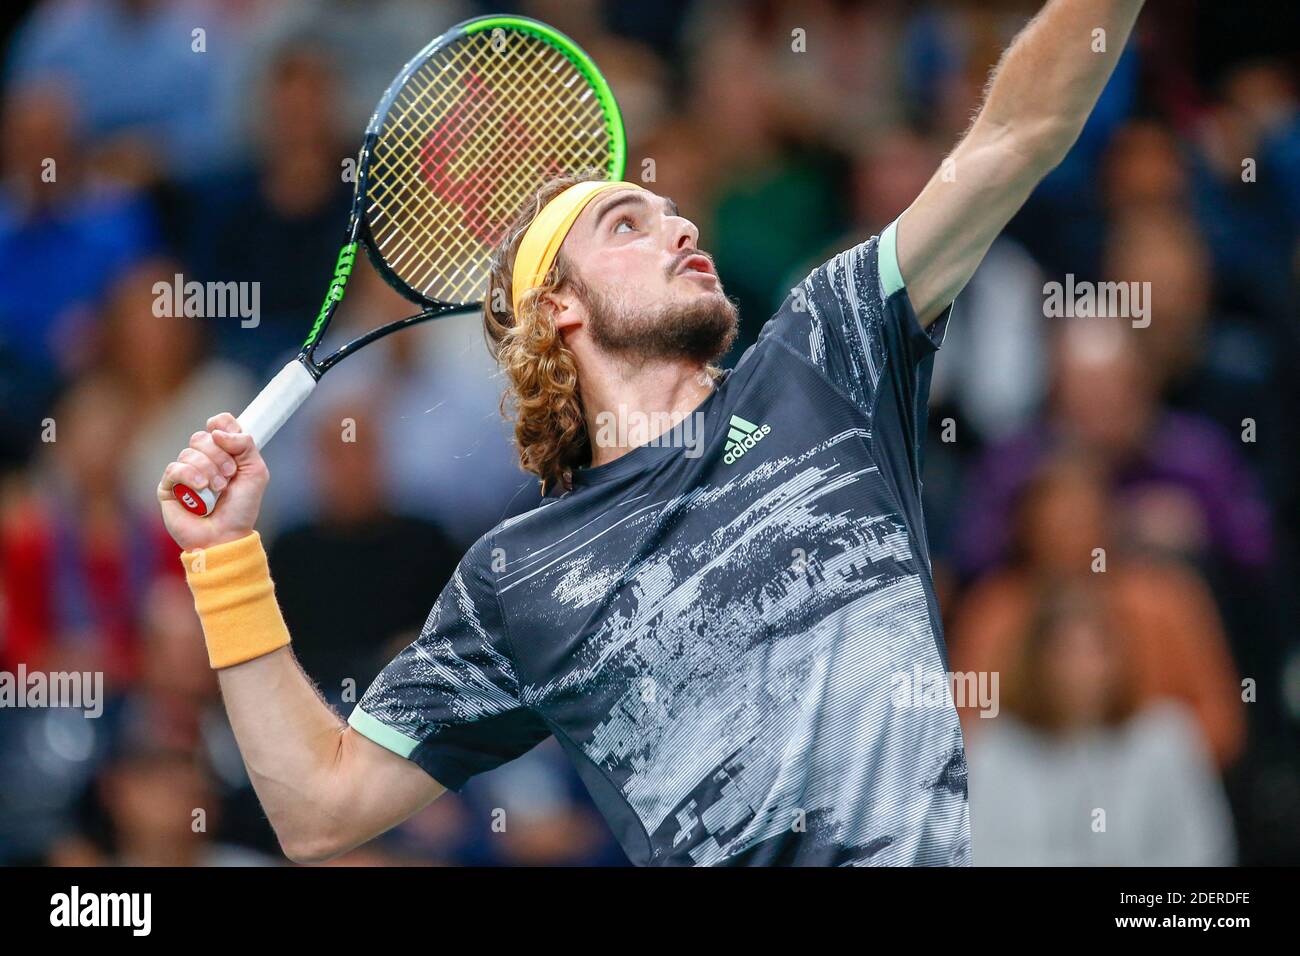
(450, 701)
(852, 318)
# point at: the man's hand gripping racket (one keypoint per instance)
(469, 130)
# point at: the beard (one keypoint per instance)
(698, 331)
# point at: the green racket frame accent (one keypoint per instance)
(578, 57)
(342, 270)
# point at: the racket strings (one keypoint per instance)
(537, 65)
(469, 138)
(468, 198)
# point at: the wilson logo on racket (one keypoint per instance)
(743, 436)
(442, 159)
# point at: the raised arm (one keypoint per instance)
(1037, 101)
(324, 787)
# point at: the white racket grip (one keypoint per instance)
(274, 404)
(263, 417)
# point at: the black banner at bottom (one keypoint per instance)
(338, 905)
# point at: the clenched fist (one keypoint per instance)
(222, 458)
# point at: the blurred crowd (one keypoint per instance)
(1112, 509)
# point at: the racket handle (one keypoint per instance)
(261, 420)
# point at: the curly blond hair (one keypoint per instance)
(542, 374)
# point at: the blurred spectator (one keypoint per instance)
(1078, 769)
(1000, 383)
(1222, 367)
(350, 580)
(816, 70)
(177, 693)
(1174, 642)
(1177, 486)
(681, 168)
(162, 365)
(77, 555)
(1143, 171)
(1247, 188)
(158, 808)
(639, 79)
(282, 228)
(1180, 484)
(891, 168)
(63, 237)
(152, 77)
(1225, 367)
(176, 705)
(369, 41)
(74, 762)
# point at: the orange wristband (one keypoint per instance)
(235, 600)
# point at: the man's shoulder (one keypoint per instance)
(850, 287)
(834, 320)
(515, 529)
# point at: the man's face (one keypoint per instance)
(644, 290)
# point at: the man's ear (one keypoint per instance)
(563, 308)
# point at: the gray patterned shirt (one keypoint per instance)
(727, 632)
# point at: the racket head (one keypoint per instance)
(469, 130)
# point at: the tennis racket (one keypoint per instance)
(469, 130)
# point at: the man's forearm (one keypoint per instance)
(1049, 79)
(323, 786)
(1037, 102)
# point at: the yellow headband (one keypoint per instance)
(545, 234)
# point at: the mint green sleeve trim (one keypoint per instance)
(381, 733)
(891, 277)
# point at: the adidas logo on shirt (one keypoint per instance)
(742, 436)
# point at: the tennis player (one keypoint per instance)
(725, 616)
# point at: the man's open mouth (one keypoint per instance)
(697, 262)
